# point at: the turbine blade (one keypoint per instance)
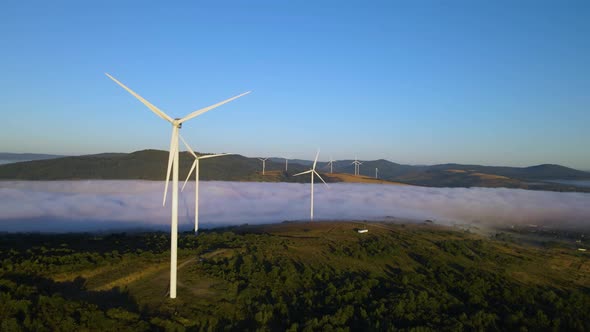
(316, 159)
(208, 108)
(189, 174)
(303, 173)
(214, 155)
(145, 102)
(318, 174)
(188, 147)
(173, 148)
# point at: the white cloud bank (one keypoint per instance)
(102, 205)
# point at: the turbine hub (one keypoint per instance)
(177, 123)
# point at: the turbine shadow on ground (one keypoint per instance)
(76, 290)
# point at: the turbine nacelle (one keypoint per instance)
(197, 158)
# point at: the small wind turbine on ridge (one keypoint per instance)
(313, 172)
(263, 164)
(173, 165)
(356, 164)
(331, 164)
(195, 167)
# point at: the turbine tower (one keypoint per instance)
(356, 164)
(376, 173)
(331, 164)
(195, 167)
(173, 161)
(263, 164)
(313, 172)
(286, 164)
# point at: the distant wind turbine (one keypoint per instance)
(173, 161)
(356, 164)
(313, 172)
(376, 173)
(331, 164)
(195, 167)
(263, 164)
(286, 164)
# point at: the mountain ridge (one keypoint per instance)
(9, 157)
(151, 164)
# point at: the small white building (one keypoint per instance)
(363, 231)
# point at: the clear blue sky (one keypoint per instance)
(420, 82)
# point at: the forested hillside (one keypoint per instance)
(300, 276)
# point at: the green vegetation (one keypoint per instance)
(296, 277)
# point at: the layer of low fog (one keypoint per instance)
(56, 206)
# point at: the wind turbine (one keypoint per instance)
(286, 164)
(263, 164)
(313, 172)
(195, 167)
(173, 164)
(331, 164)
(356, 164)
(376, 173)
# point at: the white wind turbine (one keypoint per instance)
(195, 167)
(313, 172)
(376, 173)
(356, 164)
(173, 161)
(331, 164)
(263, 164)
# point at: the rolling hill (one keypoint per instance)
(151, 165)
(457, 175)
(143, 165)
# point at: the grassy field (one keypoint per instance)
(299, 276)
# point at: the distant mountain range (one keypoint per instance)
(6, 158)
(151, 165)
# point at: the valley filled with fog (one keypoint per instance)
(70, 206)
